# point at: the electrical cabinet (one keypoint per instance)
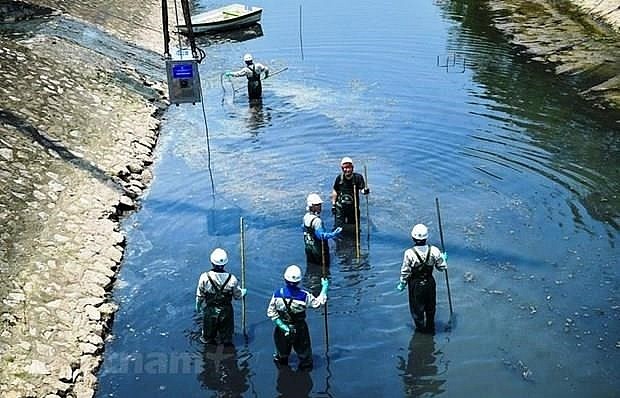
(183, 81)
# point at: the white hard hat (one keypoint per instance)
(419, 232)
(247, 57)
(292, 274)
(313, 199)
(219, 257)
(345, 160)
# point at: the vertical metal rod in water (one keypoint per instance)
(357, 222)
(301, 41)
(443, 249)
(367, 210)
(242, 234)
(324, 272)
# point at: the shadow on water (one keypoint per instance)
(63, 152)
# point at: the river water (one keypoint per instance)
(435, 104)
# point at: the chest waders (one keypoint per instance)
(422, 295)
(218, 315)
(345, 202)
(255, 87)
(298, 338)
(314, 247)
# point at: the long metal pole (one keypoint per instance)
(443, 249)
(242, 234)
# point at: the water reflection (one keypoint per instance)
(420, 370)
(293, 384)
(350, 256)
(312, 277)
(222, 371)
(258, 116)
(232, 36)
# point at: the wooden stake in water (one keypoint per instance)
(324, 272)
(367, 208)
(242, 234)
(357, 222)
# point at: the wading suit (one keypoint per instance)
(252, 72)
(289, 304)
(344, 209)
(417, 273)
(316, 239)
(216, 289)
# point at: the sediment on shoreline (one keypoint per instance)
(79, 118)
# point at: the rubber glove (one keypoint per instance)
(198, 306)
(228, 74)
(366, 191)
(243, 291)
(321, 234)
(336, 232)
(444, 266)
(282, 326)
(324, 286)
(401, 286)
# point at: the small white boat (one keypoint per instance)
(230, 17)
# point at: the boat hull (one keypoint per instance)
(226, 18)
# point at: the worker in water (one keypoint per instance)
(287, 310)
(252, 71)
(345, 194)
(315, 236)
(416, 273)
(215, 291)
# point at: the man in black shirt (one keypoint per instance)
(346, 185)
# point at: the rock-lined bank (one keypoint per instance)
(79, 118)
(579, 39)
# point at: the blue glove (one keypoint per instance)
(198, 306)
(324, 286)
(444, 255)
(228, 74)
(401, 286)
(284, 327)
(243, 291)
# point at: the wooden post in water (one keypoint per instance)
(324, 272)
(357, 221)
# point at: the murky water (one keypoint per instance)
(436, 105)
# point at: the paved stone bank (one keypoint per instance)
(606, 11)
(564, 36)
(77, 129)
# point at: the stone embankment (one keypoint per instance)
(79, 119)
(580, 39)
